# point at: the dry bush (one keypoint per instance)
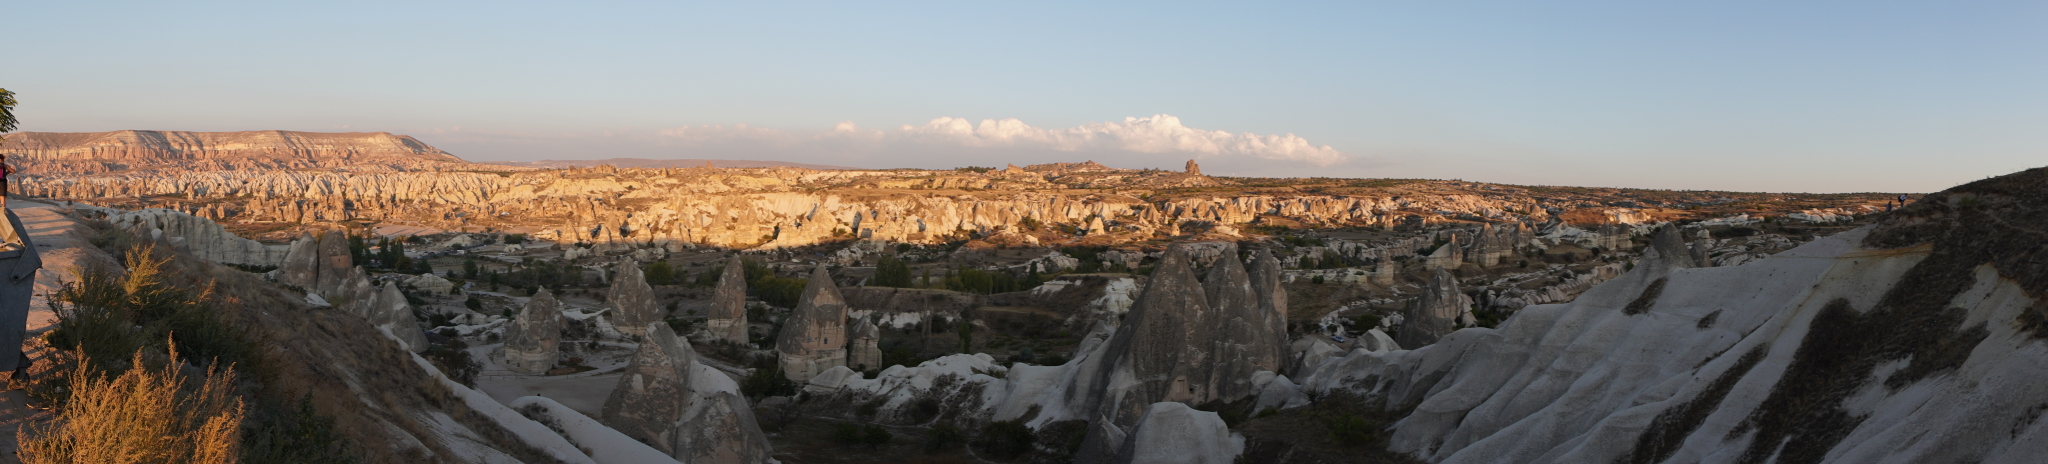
(150, 414)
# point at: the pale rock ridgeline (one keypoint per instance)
(198, 236)
(103, 152)
(777, 207)
(667, 399)
(1918, 339)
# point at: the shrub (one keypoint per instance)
(151, 413)
(1349, 430)
(1005, 439)
(767, 381)
(876, 436)
(942, 437)
(846, 434)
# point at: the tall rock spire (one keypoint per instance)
(633, 298)
(728, 318)
(1434, 314)
(1238, 325)
(533, 340)
(814, 337)
(1271, 353)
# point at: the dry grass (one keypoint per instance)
(150, 414)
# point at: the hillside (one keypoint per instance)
(59, 153)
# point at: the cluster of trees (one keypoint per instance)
(386, 254)
(1329, 260)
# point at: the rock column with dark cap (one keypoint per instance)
(728, 318)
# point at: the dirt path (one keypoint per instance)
(62, 241)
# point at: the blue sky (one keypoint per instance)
(1777, 96)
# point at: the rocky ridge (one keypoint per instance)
(105, 152)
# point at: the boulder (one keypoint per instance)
(728, 317)
(633, 300)
(533, 339)
(1173, 433)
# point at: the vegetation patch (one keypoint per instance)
(1668, 431)
(1643, 302)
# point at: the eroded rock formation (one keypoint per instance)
(728, 317)
(98, 152)
(390, 311)
(533, 339)
(864, 351)
(814, 337)
(1436, 313)
(632, 299)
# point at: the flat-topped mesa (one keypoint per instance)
(864, 350)
(633, 300)
(814, 337)
(533, 339)
(97, 152)
(1434, 314)
(390, 311)
(728, 318)
(1271, 353)
(653, 390)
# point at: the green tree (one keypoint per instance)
(892, 272)
(7, 121)
(660, 273)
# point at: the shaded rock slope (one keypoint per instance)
(1917, 339)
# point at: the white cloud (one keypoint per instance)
(1156, 141)
(1156, 134)
(1159, 134)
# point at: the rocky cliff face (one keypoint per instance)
(1908, 341)
(102, 152)
(196, 235)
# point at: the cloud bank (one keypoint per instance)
(1159, 140)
